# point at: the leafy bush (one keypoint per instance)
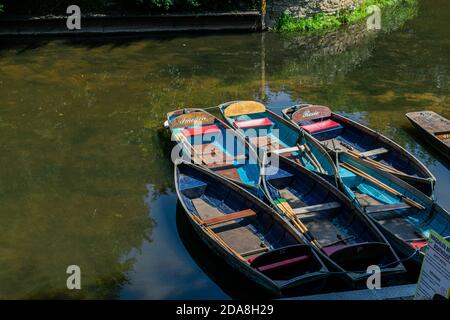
(321, 21)
(33, 7)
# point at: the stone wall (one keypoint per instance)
(305, 8)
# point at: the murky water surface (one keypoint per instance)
(85, 173)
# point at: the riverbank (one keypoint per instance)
(131, 24)
(334, 15)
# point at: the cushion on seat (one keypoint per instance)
(253, 123)
(200, 130)
(321, 126)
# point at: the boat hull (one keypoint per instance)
(417, 174)
(305, 283)
(427, 130)
(355, 279)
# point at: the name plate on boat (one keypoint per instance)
(310, 112)
(435, 274)
(192, 118)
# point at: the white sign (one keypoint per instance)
(435, 274)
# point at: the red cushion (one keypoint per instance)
(320, 126)
(418, 244)
(245, 124)
(200, 130)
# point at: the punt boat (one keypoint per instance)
(404, 214)
(338, 133)
(435, 128)
(247, 233)
(210, 142)
(341, 234)
(267, 131)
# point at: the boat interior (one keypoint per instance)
(407, 222)
(336, 134)
(219, 149)
(248, 229)
(335, 225)
(265, 132)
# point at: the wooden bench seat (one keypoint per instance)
(386, 207)
(229, 217)
(316, 208)
(372, 153)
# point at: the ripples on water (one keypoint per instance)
(85, 175)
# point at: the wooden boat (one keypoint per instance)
(435, 128)
(401, 212)
(246, 233)
(267, 131)
(338, 133)
(210, 142)
(341, 234)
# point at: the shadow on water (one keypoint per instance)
(425, 143)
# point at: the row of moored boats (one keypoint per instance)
(294, 199)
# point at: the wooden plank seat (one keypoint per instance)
(386, 207)
(316, 208)
(255, 251)
(286, 150)
(228, 162)
(374, 152)
(230, 217)
(265, 142)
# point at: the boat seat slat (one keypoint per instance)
(255, 251)
(386, 207)
(285, 150)
(373, 152)
(230, 216)
(317, 207)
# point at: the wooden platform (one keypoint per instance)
(436, 129)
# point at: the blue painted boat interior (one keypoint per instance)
(286, 137)
(352, 137)
(410, 223)
(227, 142)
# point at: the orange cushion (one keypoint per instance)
(321, 126)
(200, 130)
(253, 123)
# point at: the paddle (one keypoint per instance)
(311, 157)
(377, 164)
(284, 206)
(382, 185)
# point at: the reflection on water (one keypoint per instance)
(85, 172)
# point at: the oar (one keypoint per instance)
(382, 185)
(289, 212)
(313, 156)
(218, 239)
(377, 164)
(307, 152)
(182, 139)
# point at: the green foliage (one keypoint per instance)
(1, 7)
(33, 7)
(321, 21)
